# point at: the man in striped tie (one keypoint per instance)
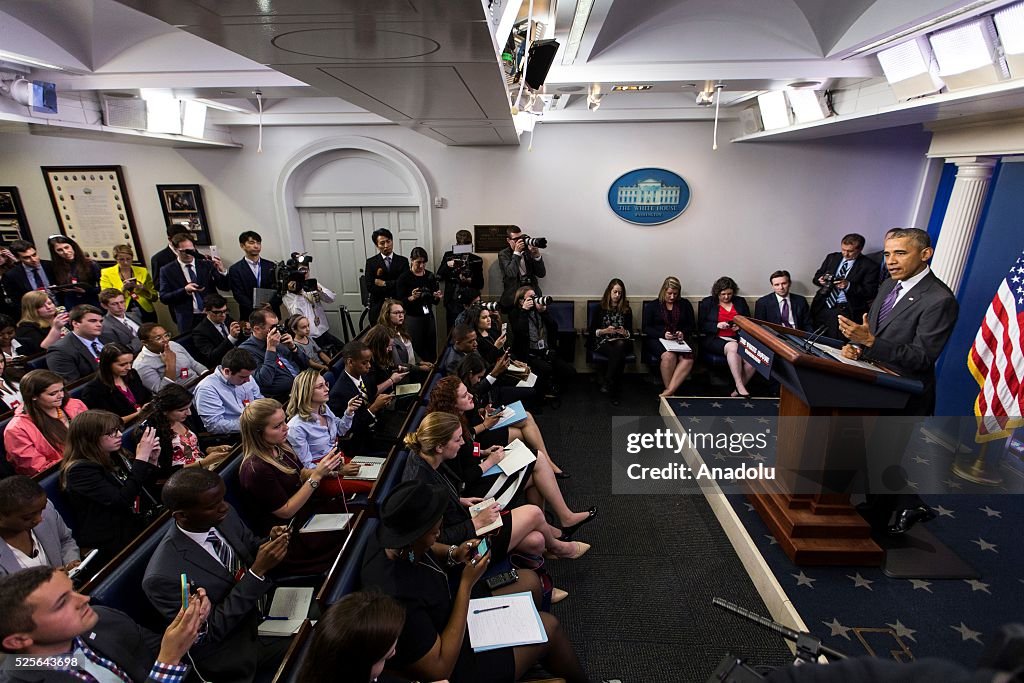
(906, 329)
(847, 281)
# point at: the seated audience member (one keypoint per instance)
(503, 387)
(458, 271)
(73, 269)
(32, 532)
(392, 317)
(77, 354)
(216, 333)
(111, 504)
(463, 342)
(311, 305)
(222, 395)
(213, 546)
(117, 387)
(403, 560)
(465, 298)
(278, 361)
(715, 319)
(163, 361)
(313, 430)
(490, 340)
(34, 438)
(45, 617)
(135, 282)
(355, 639)
(782, 308)
(252, 271)
(186, 280)
(32, 274)
(276, 487)
(451, 395)
(611, 330)
(118, 325)
(383, 370)
(534, 337)
(41, 325)
(298, 327)
(10, 390)
(168, 414)
(524, 529)
(672, 319)
(419, 291)
(8, 344)
(355, 381)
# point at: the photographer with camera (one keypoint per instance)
(185, 281)
(534, 337)
(847, 283)
(278, 362)
(459, 268)
(382, 271)
(306, 297)
(521, 265)
(419, 291)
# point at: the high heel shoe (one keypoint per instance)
(557, 595)
(579, 550)
(568, 531)
(736, 393)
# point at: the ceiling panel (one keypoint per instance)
(470, 135)
(418, 92)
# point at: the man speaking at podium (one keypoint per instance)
(907, 327)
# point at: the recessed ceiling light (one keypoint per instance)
(571, 88)
(227, 92)
(687, 86)
(802, 85)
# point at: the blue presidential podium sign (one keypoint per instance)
(649, 196)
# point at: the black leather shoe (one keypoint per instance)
(908, 517)
(568, 531)
(562, 475)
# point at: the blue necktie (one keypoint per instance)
(196, 297)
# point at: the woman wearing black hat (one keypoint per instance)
(435, 582)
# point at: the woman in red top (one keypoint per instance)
(36, 435)
(715, 319)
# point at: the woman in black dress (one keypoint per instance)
(117, 386)
(419, 291)
(435, 584)
(72, 267)
(715, 316)
(671, 319)
(611, 329)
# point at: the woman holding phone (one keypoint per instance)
(314, 430)
(135, 281)
(671, 319)
(385, 373)
(716, 316)
(435, 583)
(41, 324)
(392, 317)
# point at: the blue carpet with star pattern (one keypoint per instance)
(861, 611)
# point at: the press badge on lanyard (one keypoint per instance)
(183, 373)
(476, 449)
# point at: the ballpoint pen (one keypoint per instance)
(488, 609)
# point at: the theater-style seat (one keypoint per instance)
(596, 357)
(564, 315)
(293, 660)
(344, 575)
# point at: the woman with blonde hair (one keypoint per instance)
(671, 318)
(41, 324)
(135, 281)
(36, 435)
(523, 529)
(276, 487)
(313, 430)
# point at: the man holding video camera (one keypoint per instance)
(521, 265)
(306, 297)
(847, 283)
(460, 268)
(184, 281)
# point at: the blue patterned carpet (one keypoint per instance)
(859, 610)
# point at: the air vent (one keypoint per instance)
(124, 111)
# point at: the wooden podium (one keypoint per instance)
(817, 528)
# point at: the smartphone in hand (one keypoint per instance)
(184, 591)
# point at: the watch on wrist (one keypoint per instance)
(313, 483)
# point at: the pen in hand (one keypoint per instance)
(488, 609)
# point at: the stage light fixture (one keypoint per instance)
(774, 110)
(966, 54)
(910, 69)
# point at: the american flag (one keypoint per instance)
(997, 361)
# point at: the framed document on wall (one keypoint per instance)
(92, 208)
(184, 204)
(13, 224)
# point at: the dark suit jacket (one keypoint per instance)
(16, 280)
(473, 272)
(242, 282)
(707, 313)
(69, 358)
(767, 309)
(173, 294)
(210, 344)
(375, 270)
(229, 650)
(55, 537)
(914, 334)
(116, 331)
(363, 422)
(862, 283)
(273, 379)
(510, 277)
(159, 260)
(116, 637)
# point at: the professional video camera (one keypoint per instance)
(290, 271)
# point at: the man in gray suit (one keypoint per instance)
(44, 617)
(119, 325)
(520, 265)
(210, 543)
(77, 355)
(907, 328)
(32, 532)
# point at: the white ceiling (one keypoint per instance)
(431, 65)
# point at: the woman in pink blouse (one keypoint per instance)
(35, 436)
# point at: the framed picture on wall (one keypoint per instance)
(183, 204)
(13, 223)
(92, 208)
